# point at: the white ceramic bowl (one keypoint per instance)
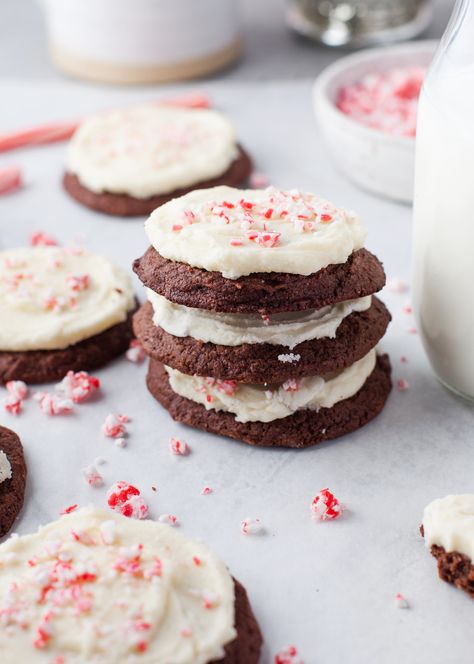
(377, 161)
(142, 41)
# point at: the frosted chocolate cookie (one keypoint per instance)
(297, 414)
(12, 479)
(448, 529)
(248, 349)
(129, 162)
(60, 309)
(114, 590)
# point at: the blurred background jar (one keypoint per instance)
(142, 41)
(359, 22)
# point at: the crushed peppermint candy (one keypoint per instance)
(17, 392)
(179, 447)
(326, 506)
(402, 385)
(78, 386)
(93, 477)
(288, 656)
(43, 239)
(258, 180)
(108, 532)
(291, 385)
(168, 519)
(125, 499)
(69, 509)
(206, 491)
(11, 179)
(289, 357)
(54, 404)
(387, 101)
(135, 352)
(401, 602)
(114, 426)
(250, 526)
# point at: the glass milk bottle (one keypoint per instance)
(443, 284)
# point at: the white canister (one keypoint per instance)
(142, 41)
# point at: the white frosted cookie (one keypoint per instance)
(151, 149)
(264, 403)
(238, 232)
(99, 588)
(449, 522)
(52, 297)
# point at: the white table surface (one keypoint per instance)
(327, 587)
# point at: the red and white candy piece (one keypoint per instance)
(251, 526)
(114, 426)
(288, 656)
(17, 392)
(10, 179)
(168, 519)
(93, 477)
(401, 602)
(402, 385)
(54, 404)
(40, 239)
(125, 499)
(135, 352)
(78, 386)
(326, 506)
(179, 447)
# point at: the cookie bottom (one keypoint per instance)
(123, 205)
(304, 428)
(45, 366)
(12, 491)
(245, 648)
(455, 568)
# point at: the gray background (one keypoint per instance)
(271, 51)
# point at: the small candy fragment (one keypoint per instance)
(114, 426)
(264, 238)
(402, 385)
(10, 179)
(108, 531)
(54, 404)
(135, 353)
(168, 519)
(206, 491)
(17, 392)
(179, 447)
(326, 506)
(42, 239)
(92, 476)
(125, 499)
(69, 509)
(407, 309)
(288, 656)
(258, 180)
(401, 602)
(78, 386)
(251, 526)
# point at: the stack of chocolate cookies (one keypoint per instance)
(261, 322)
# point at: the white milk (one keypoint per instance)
(443, 286)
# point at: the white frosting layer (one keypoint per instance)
(286, 329)
(148, 596)
(150, 150)
(241, 232)
(259, 403)
(51, 297)
(449, 522)
(5, 467)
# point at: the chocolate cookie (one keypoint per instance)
(44, 366)
(304, 428)
(123, 205)
(273, 292)
(258, 363)
(455, 568)
(245, 648)
(12, 490)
